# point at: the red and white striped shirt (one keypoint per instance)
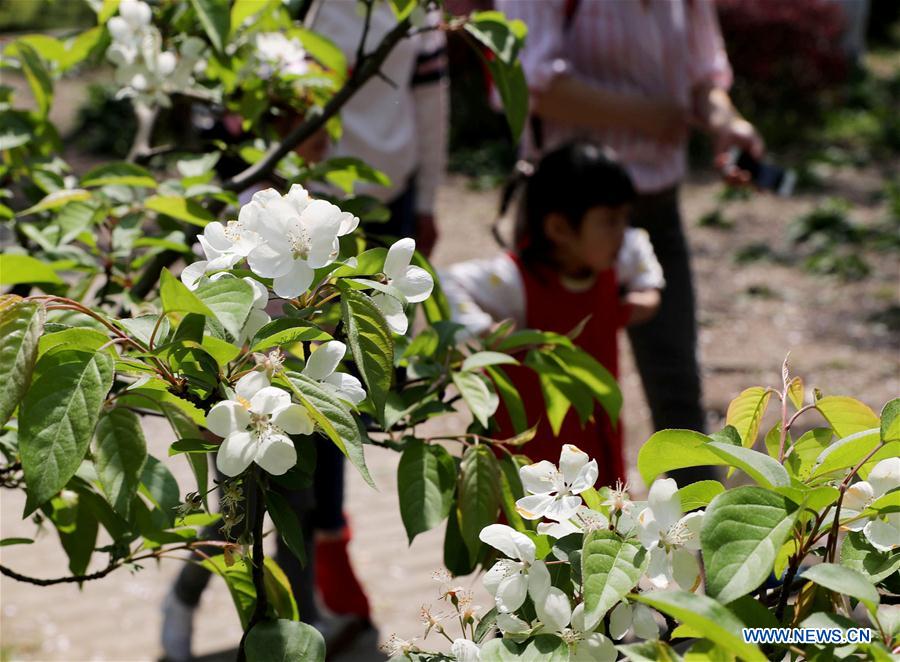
(659, 49)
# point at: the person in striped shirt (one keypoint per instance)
(637, 75)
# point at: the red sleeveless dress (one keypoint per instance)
(549, 306)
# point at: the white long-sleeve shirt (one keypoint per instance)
(483, 292)
(398, 127)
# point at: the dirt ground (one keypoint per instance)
(750, 317)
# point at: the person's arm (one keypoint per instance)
(429, 89)
(711, 77)
(641, 277)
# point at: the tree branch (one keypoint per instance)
(258, 560)
(73, 579)
(146, 120)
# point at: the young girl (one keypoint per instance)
(574, 258)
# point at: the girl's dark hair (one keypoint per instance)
(568, 180)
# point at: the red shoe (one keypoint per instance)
(340, 590)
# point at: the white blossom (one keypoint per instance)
(670, 537)
(883, 532)
(279, 55)
(636, 618)
(465, 650)
(414, 283)
(553, 493)
(255, 425)
(321, 366)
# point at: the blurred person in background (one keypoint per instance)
(637, 76)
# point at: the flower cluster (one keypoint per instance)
(279, 55)
(287, 237)
(882, 532)
(143, 69)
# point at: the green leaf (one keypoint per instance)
(890, 421)
(15, 269)
(215, 18)
(742, 531)
(119, 174)
(56, 200)
(177, 298)
(795, 392)
(484, 359)
(611, 567)
(230, 299)
(674, 449)
(370, 343)
(699, 494)
(456, 552)
(21, 325)
(333, 417)
(37, 75)
(15, 541)
(705, 615)
(859, 555)
(479, 494)
(119, 457)
(844, 581)
(178, 207)
(546, 648)
(486, 623)
(159, 485)
(241, 10)
(426, 481)
(590, 374)
(286, 331)
(846, 452)
(345, 171)
(512, 401)
(285, 519)
(476, 393)
(107, 10)
(57, 419)
(759, 466)
(502, 36)
(846, 416)
(502, 650)
(650, 651)
(511, 489)
(513, 89)
(325, 51)
(746, 411)
(803, 453)
(283, 640)
(79, 540)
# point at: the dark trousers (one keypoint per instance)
(665, 348)
(193, 578)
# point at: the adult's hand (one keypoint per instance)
(426, 233)
(741, 134)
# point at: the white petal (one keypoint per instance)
(267, 261)
(620, 620)
(884, 535)
(509, 541)
(465, 650)
(118, 28)
(260, 293)
(349, 223)
(648, 529)
(539, 478)
(498, 572)
(295, 282)
(538, 581)
(562, 509)
(269, 400)
(692, 523)
(393, 313)
(398, 258)
(685, 568)
(511, 592)
(658, 570)
(226, 417)
(324, 360)
(586, 478)
(665, 503)
(557, 530)
(858, 495)
(534, 506)
(511, 624)
(554, 610)
(256, 320)
(293, 419)
(298, 197)
(215, 238)
(322, 221)
(348, 387)
(643, 623)
(276, 454)
(236, 453)
(416, 284)
(578, 617)
(594, 648)
(192, 274)
(251, 384)
(166, 63)
(885, 476)
(571, 459)
(857, 525)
